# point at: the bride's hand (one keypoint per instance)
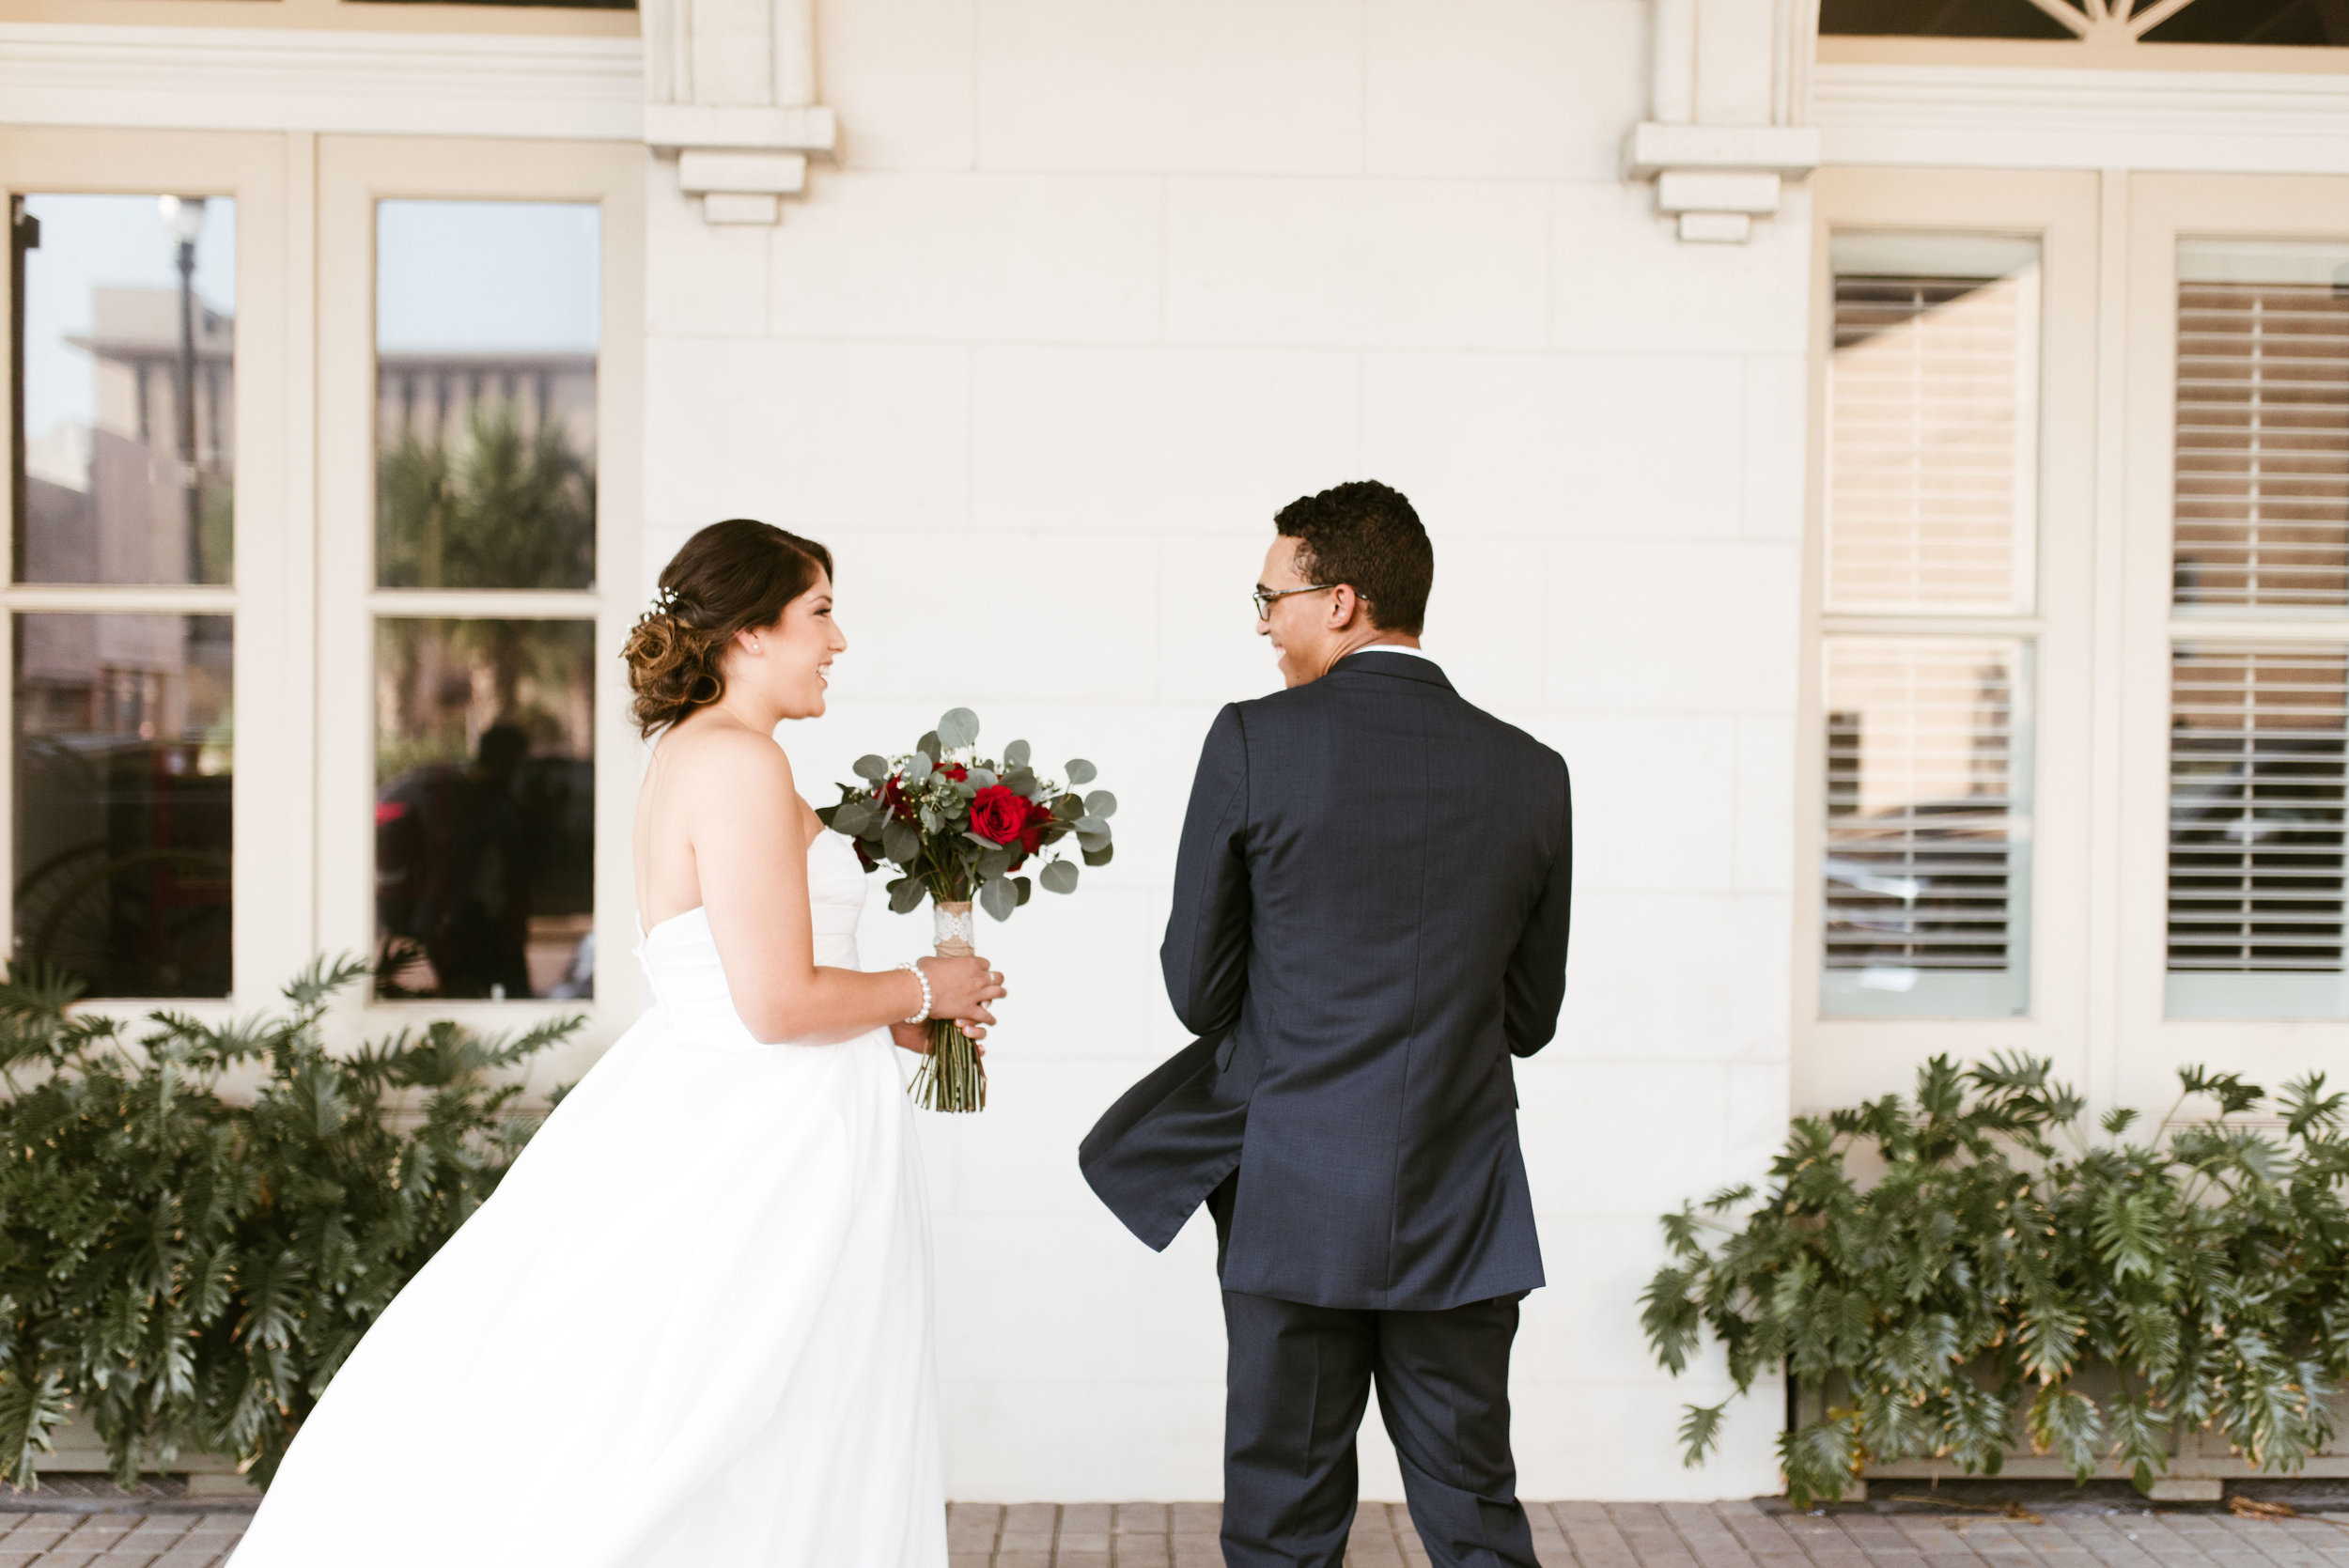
(960, 988)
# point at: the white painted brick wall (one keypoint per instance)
(1095, 289)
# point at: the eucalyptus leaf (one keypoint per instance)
(1100, 856)
(930, 747)
(901, 842)
(1080, 771)
(1015, 755)
(1069, 808)
(905, 896)
(1100, 803)
(1060, 877)
(853, 818)
(965, 788)
(873, 768)
(999, 898)
(918, 766)
(1025, 887)
(994, 861)
(984, 842)
(958, 727)
(981, 778)
(1022, 781)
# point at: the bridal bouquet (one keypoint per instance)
(959, 827)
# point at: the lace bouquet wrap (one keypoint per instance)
(962, 829)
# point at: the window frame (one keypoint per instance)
(2162, 209)
(2075, 55)
(269, 855)
(354, 173)
(1839, 1061)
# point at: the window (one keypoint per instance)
(486, 319)
(313, 511)
(479, 319)
(2078, 724)
(122, 732)
(2261, 533)
(1930, 511)
(2291, 23)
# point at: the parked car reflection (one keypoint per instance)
(124, 850)
(2256, 852)
(1925, 885)
(484, 873)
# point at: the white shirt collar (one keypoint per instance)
(1397, 647)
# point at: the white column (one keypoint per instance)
(1728, 98)
(730, 92)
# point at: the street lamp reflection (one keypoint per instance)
(183, 217)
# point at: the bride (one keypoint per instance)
(692, 1328)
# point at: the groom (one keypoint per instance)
(1370, 920)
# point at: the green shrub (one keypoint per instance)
(187, 1272)
(2199, 1272)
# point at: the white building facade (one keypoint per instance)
(1905, 475)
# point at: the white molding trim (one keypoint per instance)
(286, 79)
(730, 92)
(1726, 123)
(2017, 116)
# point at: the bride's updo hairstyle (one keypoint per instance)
(731, 577)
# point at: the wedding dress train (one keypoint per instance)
(690, 1329)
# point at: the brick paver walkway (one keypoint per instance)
(1566, 1535)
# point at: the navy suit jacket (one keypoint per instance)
(1370, 920)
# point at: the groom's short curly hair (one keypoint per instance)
(1365, 536)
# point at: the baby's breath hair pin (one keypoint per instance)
(667, 599)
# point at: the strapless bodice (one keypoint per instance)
(680, 957)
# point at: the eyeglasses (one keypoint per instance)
(1266, 598)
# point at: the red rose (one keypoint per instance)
(893, 800)
(954, 770)
(1031, 830)
(997, 815)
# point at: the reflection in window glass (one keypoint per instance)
(2263, 427)
(484, 807)
(2290, 24)
(2286, 23)
(1940, 19)
(1928, 828)
(2257, 764)
(128, 421)
(1933, 423)
(123, 774)
(486, 338)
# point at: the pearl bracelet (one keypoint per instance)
(915, 967)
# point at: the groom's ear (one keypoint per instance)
(1347, 609)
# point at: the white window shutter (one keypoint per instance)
(1931, 445)
(2263, 443)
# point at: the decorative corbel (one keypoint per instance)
(730, 92)
(1727, 105)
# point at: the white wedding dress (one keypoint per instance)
(690, 1329)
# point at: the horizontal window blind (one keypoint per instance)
(2262, 429)
(2256, 795)
(1932, 427)
(1927, 824)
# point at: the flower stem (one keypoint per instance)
(951, 1078)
